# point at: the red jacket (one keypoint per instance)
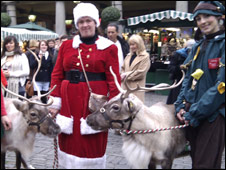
(3, 79)
(4, 82)
(3, 111)
(97, 58)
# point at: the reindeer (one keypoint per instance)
(28, 117)
(126, 112)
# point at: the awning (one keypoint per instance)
(30, 26)
(159, 16)
(24, 34)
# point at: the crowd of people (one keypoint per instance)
(80, 65)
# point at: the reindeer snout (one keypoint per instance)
(54, 130)
(57, 130)
(89, 120)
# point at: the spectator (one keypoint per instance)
(43, 77)
(71, 96)
(33, 46)
(123, 47)
(57, 42)
(5, 121)
(16, 68)
(171, 47)
(51, 45)
(57, 47)
(138, 61)
(174, 69)
(201, 102)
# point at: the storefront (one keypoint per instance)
(163, 33)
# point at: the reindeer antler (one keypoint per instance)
(116, 81)
(161, 86)
(36, 72)
(26, 99)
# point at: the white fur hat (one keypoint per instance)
(86, 9)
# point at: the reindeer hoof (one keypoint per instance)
(31, 167)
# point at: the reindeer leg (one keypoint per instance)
(18, 159)
(152, 164)
(167, 164)
(24, 163)
(2, 160)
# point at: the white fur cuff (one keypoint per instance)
(85, 129)
(70, 161)
(65, 123)
(56, 103)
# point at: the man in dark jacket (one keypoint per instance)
(123, 46)
(176, 60)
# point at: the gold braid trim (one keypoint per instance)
(185, 66)
(221, 65)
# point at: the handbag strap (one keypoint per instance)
(87, 81)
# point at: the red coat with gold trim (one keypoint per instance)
(76, 150)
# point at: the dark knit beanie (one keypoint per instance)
(209, 7)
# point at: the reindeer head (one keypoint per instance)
(119, 112)
(37, 118)
(34, 111)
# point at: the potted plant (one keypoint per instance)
(109, 14)
(5, 19)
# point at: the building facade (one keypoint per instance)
(52, 14)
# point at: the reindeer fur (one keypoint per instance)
(143, 150)
(20, 138)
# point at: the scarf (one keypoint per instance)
(45, 54)
(207, 38)
(89, 40)
(11, 53)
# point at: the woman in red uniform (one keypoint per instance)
(5, 121)
(71, 95)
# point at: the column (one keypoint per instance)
(183, 7)
(11, 10)
(118, 4)
(60, 26)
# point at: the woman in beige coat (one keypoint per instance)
(138, 60)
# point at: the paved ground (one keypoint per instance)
(43, 154)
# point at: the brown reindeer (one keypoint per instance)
(28, 117)
(126, 112)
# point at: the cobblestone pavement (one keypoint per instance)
(43, 154)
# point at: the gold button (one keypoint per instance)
(87, 65)
(88, 56)
(78, 57)
(90, 49)
(77, 64)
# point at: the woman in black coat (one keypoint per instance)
(43, 77)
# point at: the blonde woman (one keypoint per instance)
(138, 61)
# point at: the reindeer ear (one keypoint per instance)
(130, 106)
(20, 105)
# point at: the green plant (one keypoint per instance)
(110, 14)
(5, 19)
